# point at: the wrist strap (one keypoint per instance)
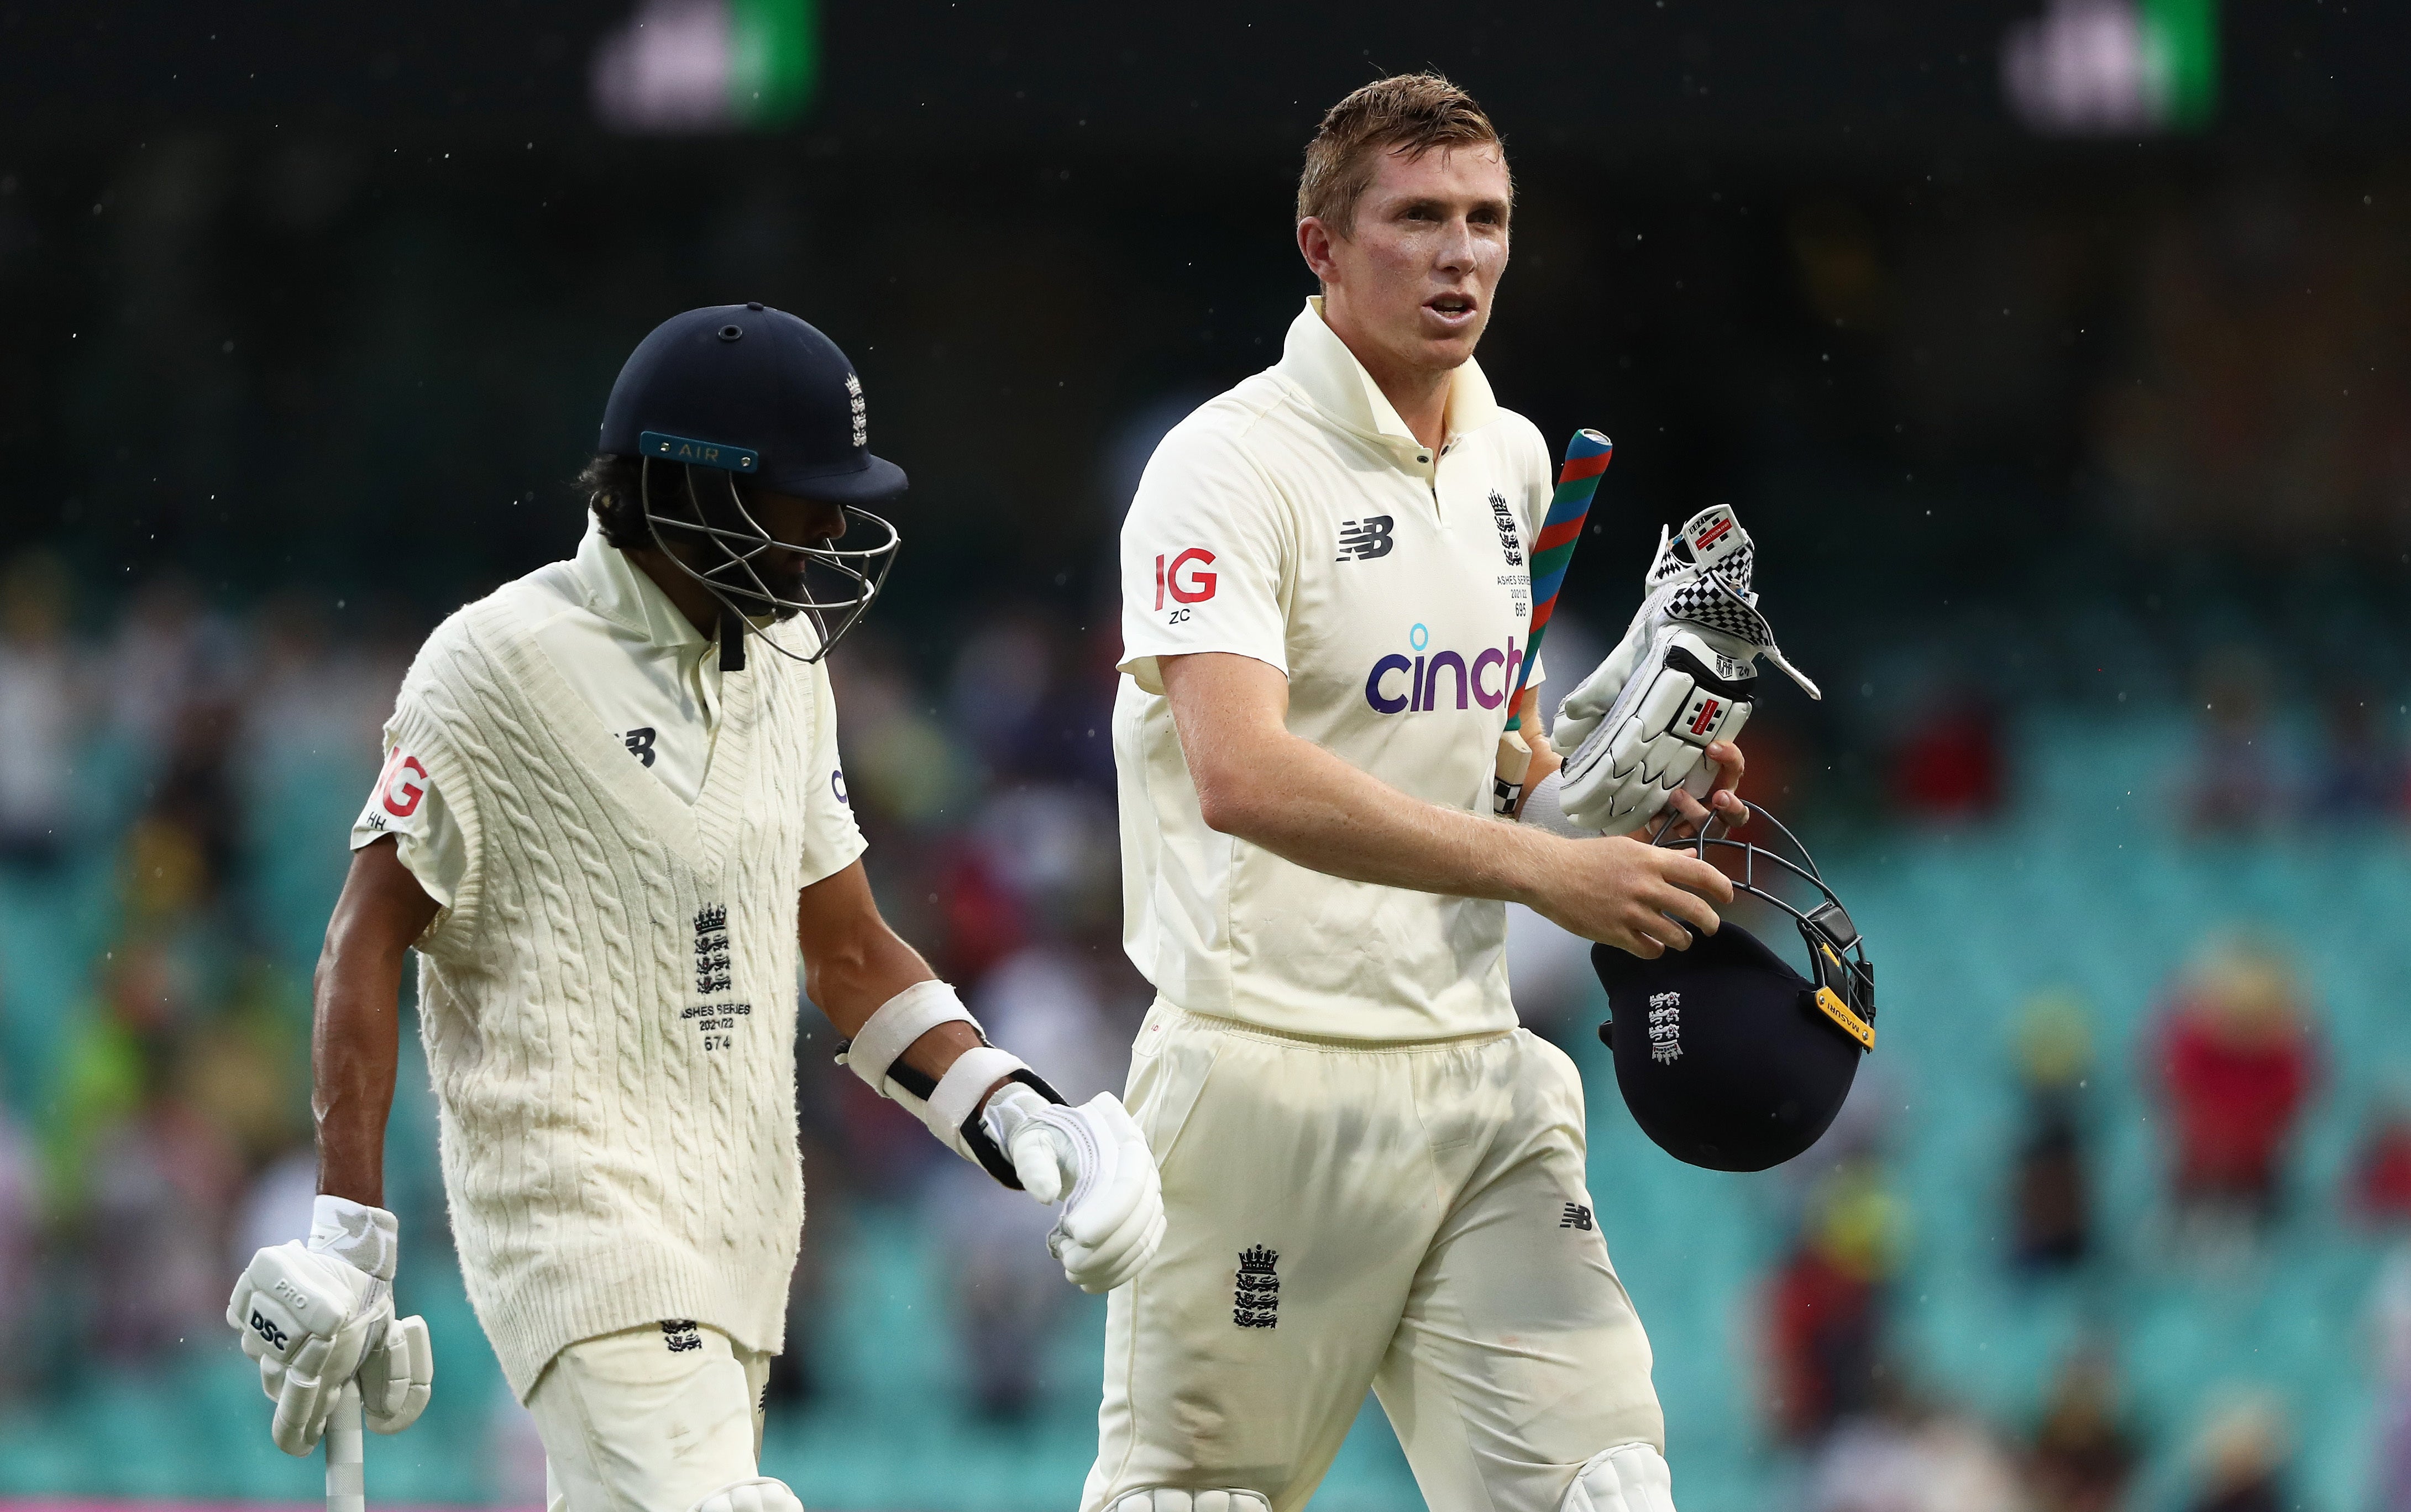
(876, 1048)
(369, 1239)
(952, 1111)
(1546, 809)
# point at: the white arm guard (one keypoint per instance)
(948, 1107)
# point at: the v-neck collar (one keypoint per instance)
(701, 831)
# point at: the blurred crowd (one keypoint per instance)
(175, 785)
(2230, 1061)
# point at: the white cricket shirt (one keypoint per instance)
(650, 676)
(1296, 520)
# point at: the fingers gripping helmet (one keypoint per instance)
(745, 391)
(1726, 1054)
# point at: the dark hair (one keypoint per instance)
(615, 491)
(1409, 113)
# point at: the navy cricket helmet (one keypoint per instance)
(745, 391)
(1728, 1056)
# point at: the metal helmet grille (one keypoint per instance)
(851, 577)
(1861, 969)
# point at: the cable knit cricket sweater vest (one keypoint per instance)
(608, 1007)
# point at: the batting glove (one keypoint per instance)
(397, 1377)
(1682, 678)
(756, 1493)
(1113, 1218)
(313, 1314)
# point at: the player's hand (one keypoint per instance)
(1724, 805)
(312, 1313)
(1641, 898)
(1113, 1217)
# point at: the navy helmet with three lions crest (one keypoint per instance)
(747, 391)
(1727, 1055)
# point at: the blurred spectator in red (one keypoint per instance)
(2361, 772)
(42, 710)
(2082, 1456)
(2234, 786)
(1824, 1307)
(2237, 1059)
(984, 921)
(2241, 1454)
(1949, 766)
(2051, 1226)
(2381, 1171)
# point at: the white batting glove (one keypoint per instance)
(758, 1494)
(1682, 678)
(1631, 1478)
(312, 1313)
(1113, 1219)
(397, 1377)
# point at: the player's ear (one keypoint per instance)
(1314, 244)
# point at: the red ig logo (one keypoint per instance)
(400, 793)
(1197, 589)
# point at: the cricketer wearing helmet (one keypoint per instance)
(1373, 1177)
(611, 819)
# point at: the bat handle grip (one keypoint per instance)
(1515, 764)
(347, 1462)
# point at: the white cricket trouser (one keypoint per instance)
(1343, 1213)
(649, 1420)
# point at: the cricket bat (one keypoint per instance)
(1587, 457)
(346, 1469)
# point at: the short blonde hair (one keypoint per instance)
(1409, 113)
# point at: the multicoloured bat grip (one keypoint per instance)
(1587, 457)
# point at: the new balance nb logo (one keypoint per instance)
(1365, 539)
(1255, 1301)
(1577, 1217)
(640, 743)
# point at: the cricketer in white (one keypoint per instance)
(1374, 1178)
(609, 853)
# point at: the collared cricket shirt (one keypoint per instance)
(1296, 520)
(651, 678)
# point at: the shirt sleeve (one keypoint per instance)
(1208, 558)
(832, 839)
(405, 805)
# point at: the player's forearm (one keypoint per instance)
(354, 1048)
(1307, 805)
(356, 1035)
(853, 962)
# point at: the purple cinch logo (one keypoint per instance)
(1421, 683)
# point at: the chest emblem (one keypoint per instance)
(1365, 539)
(1511, 540)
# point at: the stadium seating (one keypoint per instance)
(2088, 888)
